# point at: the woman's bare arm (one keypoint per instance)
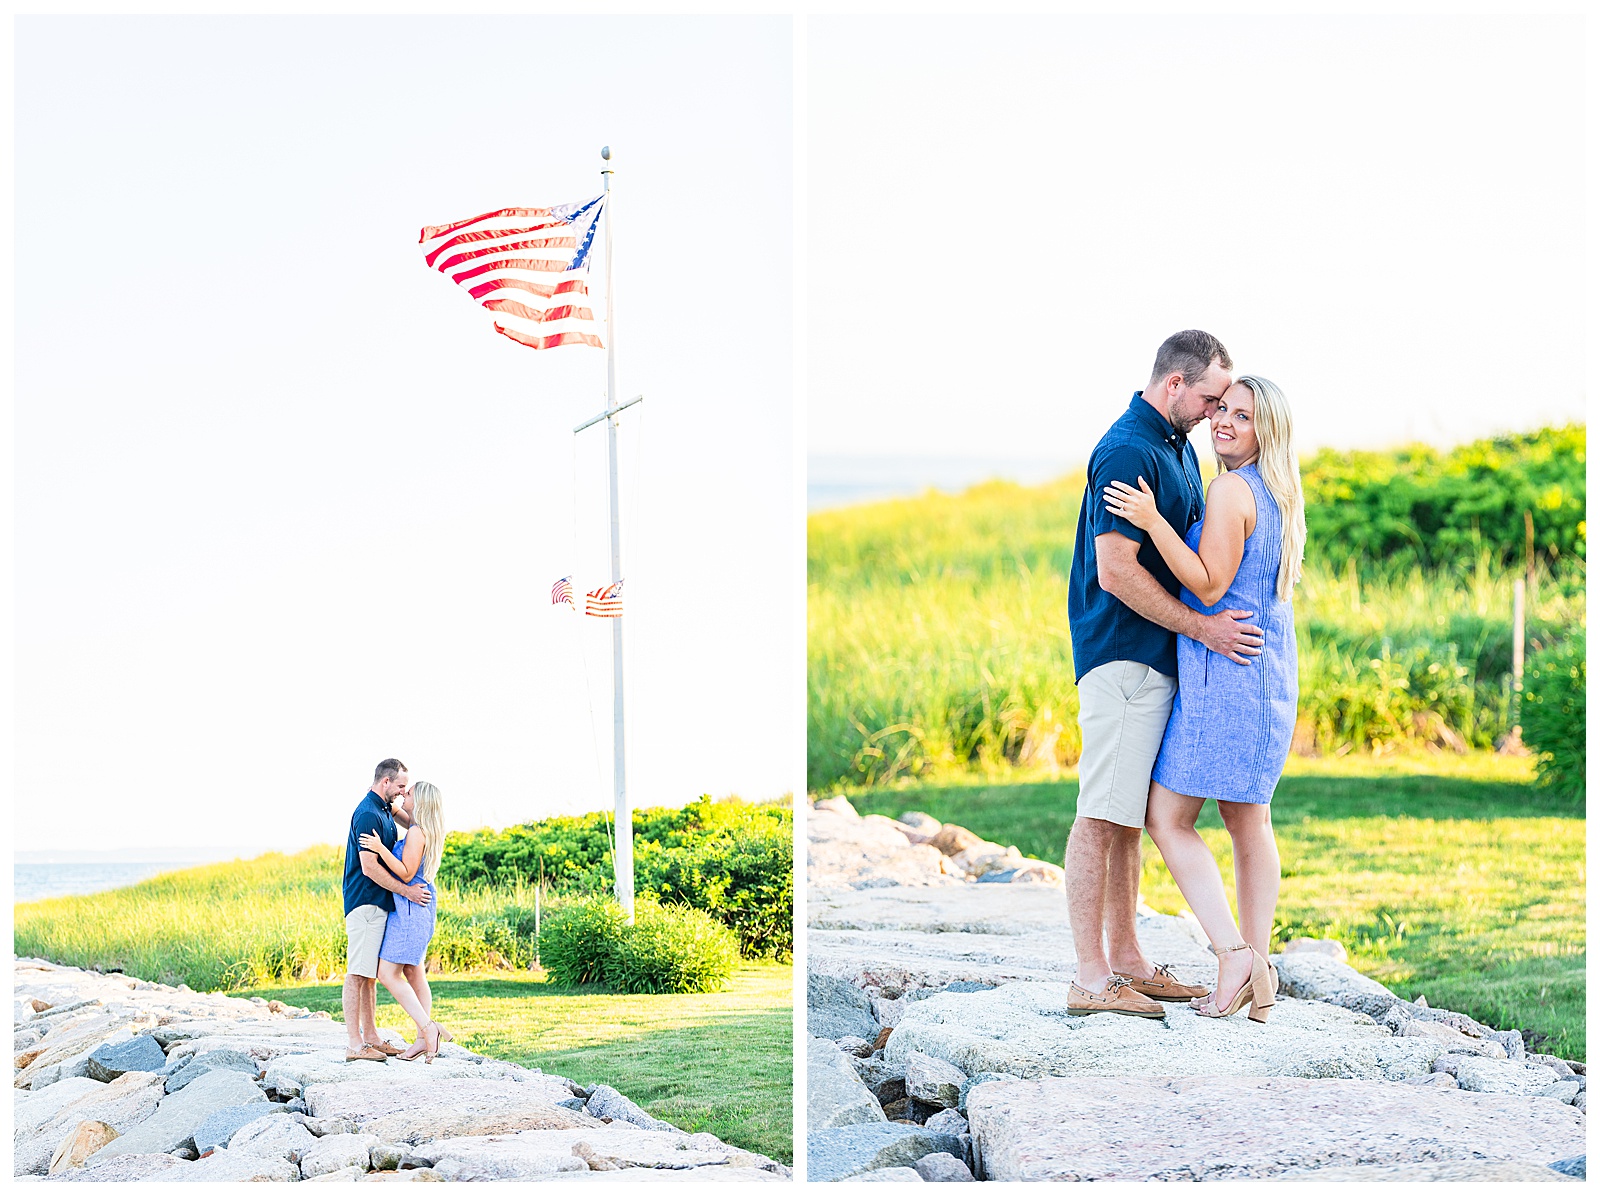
(1230, 516)
(405, 869)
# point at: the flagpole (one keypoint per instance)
(622, 858)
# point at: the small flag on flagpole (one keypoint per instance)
(561, 593)
(529, 266)
(604, 602)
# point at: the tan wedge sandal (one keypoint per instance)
(1256, 991)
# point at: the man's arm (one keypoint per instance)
(379, 874)
(1120, 573)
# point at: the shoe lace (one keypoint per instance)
(1118, 981)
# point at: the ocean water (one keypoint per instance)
(41, 881)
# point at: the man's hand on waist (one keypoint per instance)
(1227, 634)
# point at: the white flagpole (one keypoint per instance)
(622, 859)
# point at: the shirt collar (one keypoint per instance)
(1160, 428)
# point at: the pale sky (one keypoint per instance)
(1384, 215)
(287, 505)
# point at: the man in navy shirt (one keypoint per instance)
(1123, 609)
(369, 891)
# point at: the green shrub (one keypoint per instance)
(731, 859)
(580, 939)
(743, 877)
(1418, 505)
(1554, 716)
(672, 948)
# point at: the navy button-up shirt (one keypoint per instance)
(1104, 629)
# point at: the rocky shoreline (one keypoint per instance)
(941, 1048)
(119, 1079)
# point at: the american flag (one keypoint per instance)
(604, 602)
(527, 265)
(562, 592)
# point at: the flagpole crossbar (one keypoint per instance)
(610, 412)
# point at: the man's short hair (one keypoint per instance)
(388, 769)
(1191, 352)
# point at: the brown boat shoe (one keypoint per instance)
(1119, 997)
(367, 1053)
(388, 1048)
(1162, 986)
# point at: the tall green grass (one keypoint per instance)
(277, 918)
(938, 642)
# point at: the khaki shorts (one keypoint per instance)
(363, 927)
(1122, 709)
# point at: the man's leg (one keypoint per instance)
(369, 1009)
(1087, 848)
(1127, 957)
(355, 991)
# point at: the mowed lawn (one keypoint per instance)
(719, 1063)
(1466, 889)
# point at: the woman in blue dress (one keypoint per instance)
(1229, 733)
(403, 955)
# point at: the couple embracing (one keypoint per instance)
(1183, 643)
(389, 907)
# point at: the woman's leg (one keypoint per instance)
(1170, 820)
(417, 977)
(1255, 869)
(394, 979)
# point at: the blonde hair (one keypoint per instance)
(1280, 471)
(427, 814)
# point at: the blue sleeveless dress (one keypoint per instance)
(1229, 733)
(410, 926)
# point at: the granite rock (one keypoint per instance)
(835, 1093)
(1504, 1078)
(214, 1132)
(1317, 976)
(31, 1109)
(1573, 1168)
(919, 827)
(272, 1135)
(836, 1008)
(1224, 1128)
(886, 1175)
(400, 1105)
(1024, 1029)
(112, 1059)
(291, 1074)
(606, 1102)
(79, 1144)
(336, 1152)
(214, 1060)
(933, 1080)
(946, 1120)
(1461, 1171)
(943, 1168)
(420, 1125)
(234, 1166)
(851, 1150)
(122, 1104)
(124, 1168)
(178, 1116)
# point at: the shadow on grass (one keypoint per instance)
(719, 1062)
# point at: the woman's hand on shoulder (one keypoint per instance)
(1136, 507)
(372, 842)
